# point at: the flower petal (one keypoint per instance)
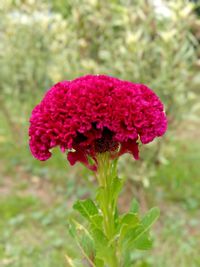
(80, 156)
(131, 146)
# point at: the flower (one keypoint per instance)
(95, 114)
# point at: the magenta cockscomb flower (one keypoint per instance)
(94, 114)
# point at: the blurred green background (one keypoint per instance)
(144, 41)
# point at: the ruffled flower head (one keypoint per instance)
(95, 114)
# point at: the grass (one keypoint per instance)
(36, 200)
(175, 188)
(32, 232)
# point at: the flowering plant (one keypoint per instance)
(95, 119)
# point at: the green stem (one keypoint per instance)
(107, 172)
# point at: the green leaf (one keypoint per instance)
(87, 208)
(138, 236)
(104, 252)
(130, 219)
(117, 187)
(96, 221)
(77, 230)
(131, 236)
(144, 242)
(101, 245)
(82, 237)
(151, 216)
(99, 263)
(134, 206)
(99, 238)
(87, 244)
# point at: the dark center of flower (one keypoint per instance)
(79, 138)
(106, 142)
(100, 145)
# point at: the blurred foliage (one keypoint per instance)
(42, 44)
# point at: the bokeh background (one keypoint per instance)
(145, 41)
